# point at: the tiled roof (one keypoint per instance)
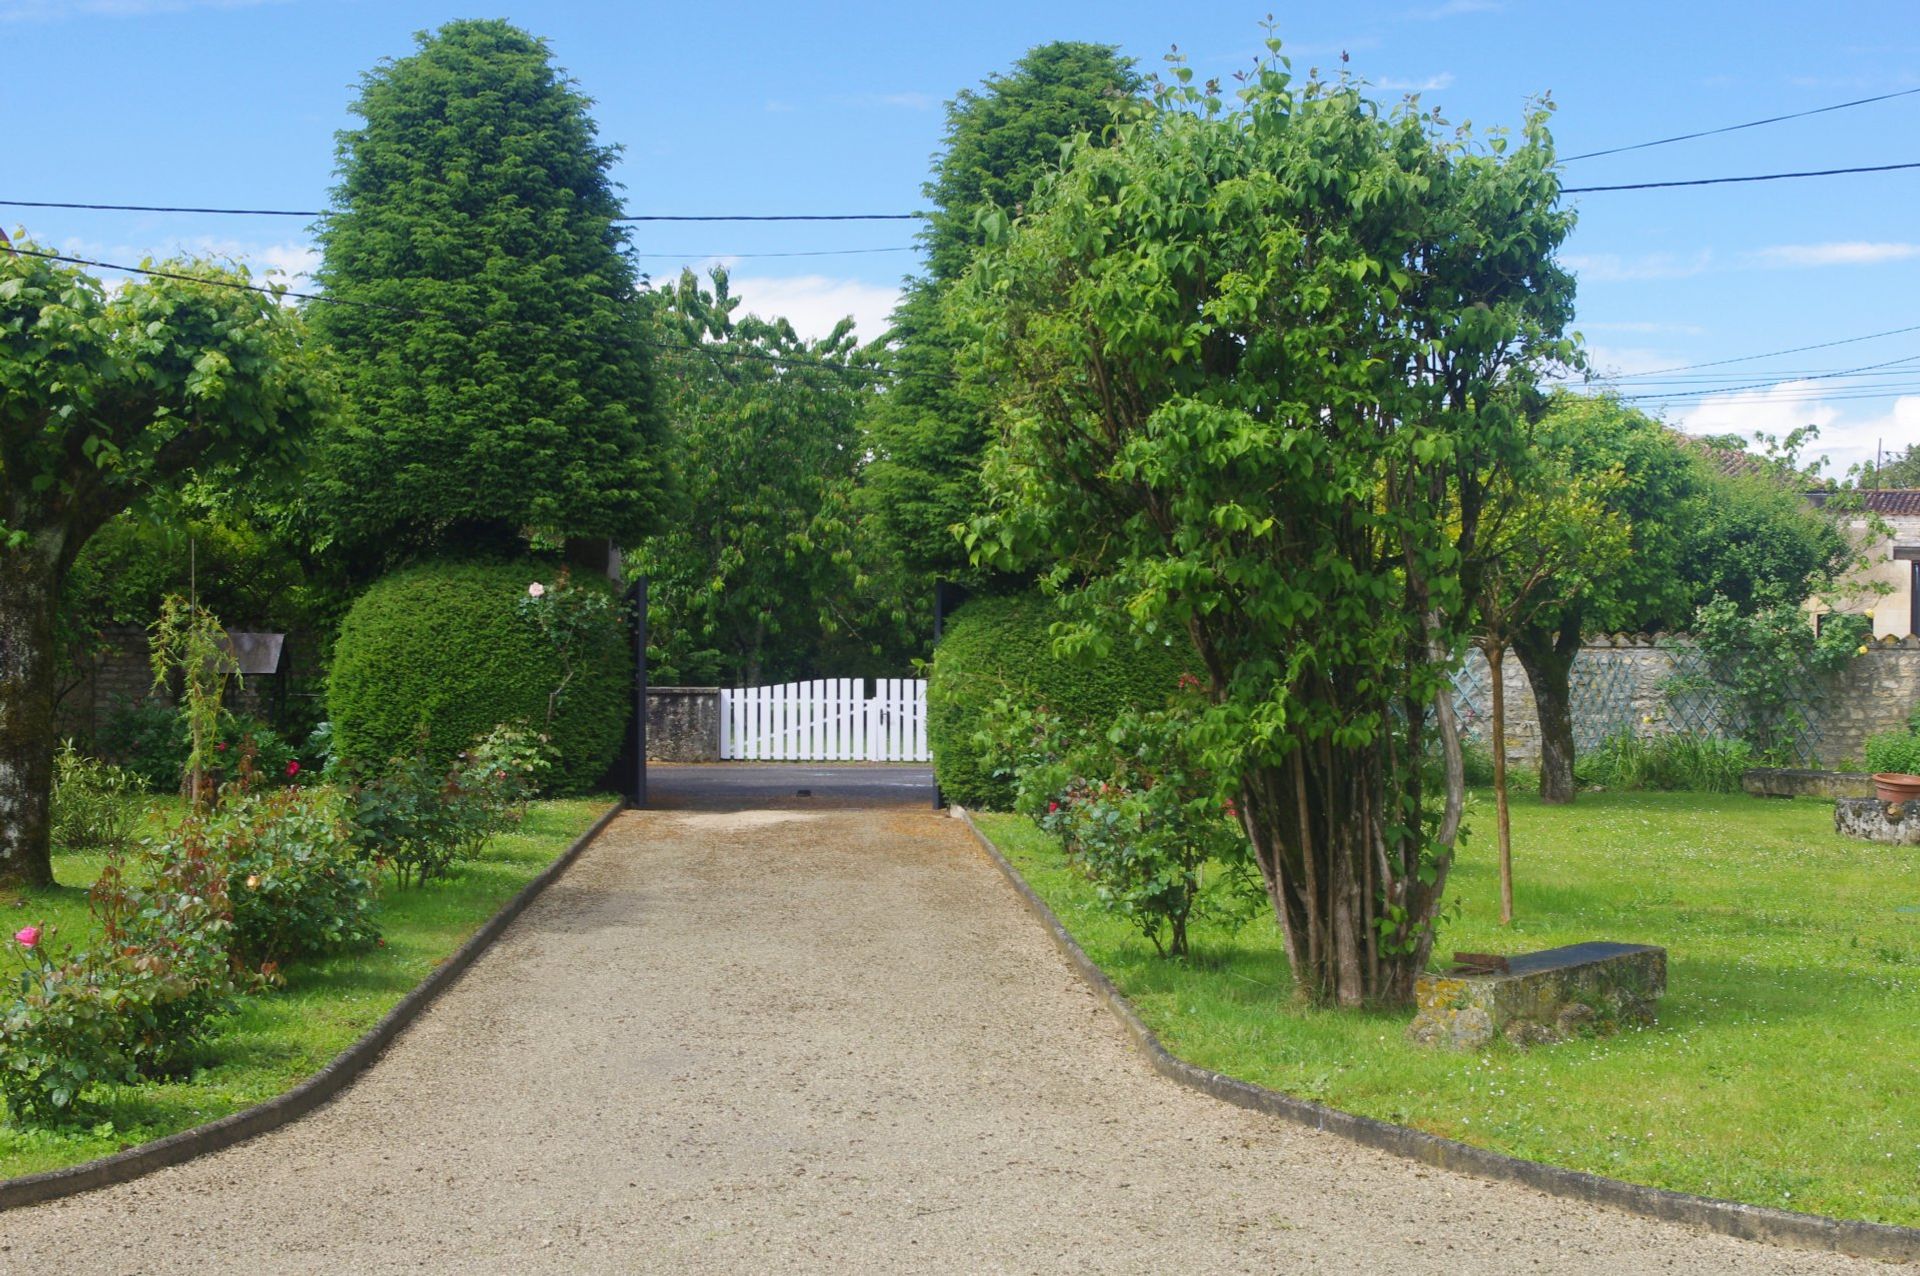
(1734, 462)
(1900, 502)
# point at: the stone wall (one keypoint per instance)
(683, 724)
(1623, 683)
(121, 673)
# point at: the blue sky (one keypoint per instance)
(837, 107)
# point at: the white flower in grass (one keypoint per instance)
(536, 590)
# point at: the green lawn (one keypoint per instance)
(1785, 1068)
(280, 1038)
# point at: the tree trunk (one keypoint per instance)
(1548, 659)
(1496, 655)
(29, 583)
(1336, 869)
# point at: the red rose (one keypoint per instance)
(293, 766)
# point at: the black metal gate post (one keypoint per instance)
(635, 787)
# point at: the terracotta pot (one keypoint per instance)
(1895, 786)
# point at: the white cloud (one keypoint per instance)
(813, 304)
(1855, 253)
(1614, 268)
(1431, 84)
(1848, 435)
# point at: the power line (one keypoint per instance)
(826, 252)
(1722, 181)
(1766, 385)
(871, 375)
(1735, 128)
(1748, 358)
(312, 212)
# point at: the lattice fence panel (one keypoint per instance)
(1601, 687)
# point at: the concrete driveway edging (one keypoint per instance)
(1855, 1238)
(339, 1072)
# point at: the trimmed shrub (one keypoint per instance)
(431, 658)
(999, 649)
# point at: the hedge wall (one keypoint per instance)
(995, 647)
(446, 648)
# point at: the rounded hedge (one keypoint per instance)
(1000, 647)
(446, 649)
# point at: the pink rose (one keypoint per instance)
(293, 767)
(27, 936)
(536, 589)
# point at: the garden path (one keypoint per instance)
(773, 1041)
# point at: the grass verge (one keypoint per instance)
(1784, 1070)
(281, 1038)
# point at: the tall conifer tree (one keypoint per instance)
(496, 375)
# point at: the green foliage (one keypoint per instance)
(431, 658)
(1900, 470)
(495, 366)
(165, 929)
(107, 402)
(188, 644)
(1769, 662)
(1255, 365)
(928, 434)
(1142, 820)
(1695, 763)
(1895, 751)
(999, 650)
(62, 1031)
(767, 566)
(420, 820)
(91, 811)
(148, 739)
(297, 885)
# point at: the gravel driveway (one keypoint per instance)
(787, 1041)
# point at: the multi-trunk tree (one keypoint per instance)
(1254, 366)
(104, 401)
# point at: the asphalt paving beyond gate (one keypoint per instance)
(770, 1041)
(745, 786)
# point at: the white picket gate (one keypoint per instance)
(829, 720)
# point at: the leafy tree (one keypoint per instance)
(1902, 469)
(763, 567)
(1765, 658)
(1695, 533)
(1253, 365)
(928, 434)
(491, 339)
(105, 401)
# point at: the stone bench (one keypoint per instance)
(1540, 997)
(1894, 823)
(1788, 782)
